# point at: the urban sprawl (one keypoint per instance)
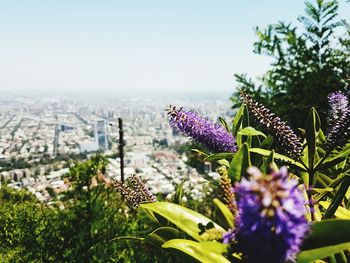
(41, 138)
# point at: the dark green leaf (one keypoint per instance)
(237, 121)
(267, 142)
(338, 198)
(328, 233)
(341, 212)
(269, 160)
(163, 234)
(239, 164)
(224, 124)
(313, 125)
(329, 163)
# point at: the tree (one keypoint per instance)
(83, 231)
(94, 215)
(308, 64)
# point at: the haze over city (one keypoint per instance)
(138, 48)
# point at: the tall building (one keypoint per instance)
(101, 134)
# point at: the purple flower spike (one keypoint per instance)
(284, 135)
(338, 121)
(271, 221)
(211, 135)
(338, 106)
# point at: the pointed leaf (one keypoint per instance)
(269, 160)
(312, 127)
(319, 253)
(245, 121)
(327, 237)
(338, 198)
(237, 121)
(224, 163)
(219, 156)
(179, 193)
(225, 212)
(341, 213)
(185, 219)
(250, 131)
(239, 164)
(329, 163)
(280, 157)
(206, 252)
(267, 142)
(163, 234)
(224, 124)
(200, 152)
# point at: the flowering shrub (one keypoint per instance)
(271, 222)
(299, 212)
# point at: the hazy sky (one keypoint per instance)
(129, 47)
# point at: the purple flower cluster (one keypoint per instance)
(338, 106)
(338, 120)
(212, 135)
(271, 222)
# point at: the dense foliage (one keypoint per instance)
(308, 63)
(266, 214)
(80, 227)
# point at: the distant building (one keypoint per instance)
(88, 146)
(137, 159)
(101, 134)
(65, 127)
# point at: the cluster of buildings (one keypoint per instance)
(39, 132)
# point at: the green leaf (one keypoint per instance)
(239, 164)
(318, 253)
(200, 152)
(345, 152)
(224, 124)
(219, 156)
(224, 163)
(338, 198)
(341, 213)
(322, 190)
(163, 234)
(321, 137)
(237, 121)
(312, 127)
(206, 252)
(330, 183)
(128, 238)
(185, 219)
(250, 131)
(280, 157)
(225, 212)
(245, 122)
(267, 142)
(327, 237)
(179, 193)
(269, 160)
(329, 163)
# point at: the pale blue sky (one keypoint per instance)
(125, 47)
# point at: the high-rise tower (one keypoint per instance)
(101, 134)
